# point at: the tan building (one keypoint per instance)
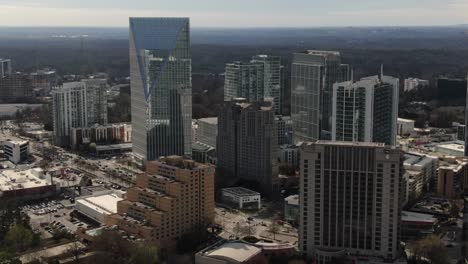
(452, 178)
(173, 197)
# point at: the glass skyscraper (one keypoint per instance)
(257, 80)
(313, 74)
(161, 87)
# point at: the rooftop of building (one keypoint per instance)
(209, 120)
(407, 216)
(343, 143)
(236, 251)
(202, 147)
(240, 191)
(116, 125)
(105, 204)
(16, 180)
(114, 146)
(292, 199)
(15, 142)
(70, 85)
(181, 162)
(414, 159)
(456, 146)
(403, 120)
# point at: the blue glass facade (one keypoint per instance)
(161, 87)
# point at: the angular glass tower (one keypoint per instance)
(161, 87)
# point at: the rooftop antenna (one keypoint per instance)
(352, 74)
(381, 71)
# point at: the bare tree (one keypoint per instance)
(274, 229)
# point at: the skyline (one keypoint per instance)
(262, 13)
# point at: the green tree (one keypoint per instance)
(144, 253)
(8, 257)
(19, 237)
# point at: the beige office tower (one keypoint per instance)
(349, 200)
(174, 197)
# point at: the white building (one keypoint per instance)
(207, 131)
(405, 126)
(98, 207)
(366, 111)
(26, 185)
(456, 148)
(421, 170)
(16, 151)
(241, 196)
(289, 154)
(412, 83)
(78, 104)
(5, 67)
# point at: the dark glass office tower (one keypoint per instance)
(313, 74)
(161, 87)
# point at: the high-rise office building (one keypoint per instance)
(313, 74)
(207, 131)
(349, 200)
(272, 79)
(284, 127)
(366, 111)
(96, 101)
(16, 88)
(161, 87)
(174, 197)
(78, 105)
(5, 67)
(466, 118)
(257, 80)
(247, 145)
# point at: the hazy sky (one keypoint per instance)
(236, 13)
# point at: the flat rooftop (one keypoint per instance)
(105, 204)
(15, 142)
(236, 251)
(209, 120)
(292, 199)
(347, 143)
(114, 146)
(403, 120)
(240, 191)
(452, 146)
(407, 216)
(16, 180)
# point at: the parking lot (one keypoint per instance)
(54, 216)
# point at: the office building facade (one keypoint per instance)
(174, 197)
(247, 145)
(257, 80)
(349, 200)
(161, 87)
(466, 118)
(16, 87)
(313, 74)
(5, 67)
(207, 131)
(366, 111)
